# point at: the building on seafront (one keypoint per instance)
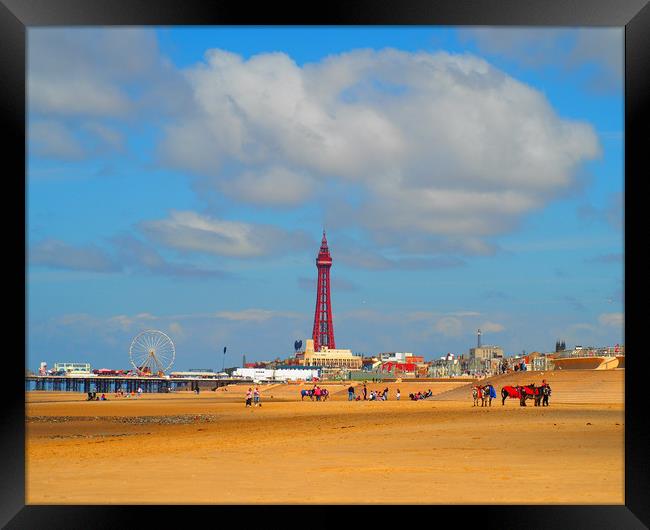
(72, 368)
(400, 357)
(281, 373)
(328, 357)
(486, 352)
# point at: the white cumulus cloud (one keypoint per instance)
(441, 145)
(193, 232)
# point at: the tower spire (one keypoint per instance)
(323, 332)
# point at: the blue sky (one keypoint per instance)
(180, 178)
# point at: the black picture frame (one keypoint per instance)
(634, 15)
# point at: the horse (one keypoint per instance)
(510, 392)
(308, 393)
(475, 396)
(486, 396)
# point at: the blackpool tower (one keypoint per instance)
(323, 333)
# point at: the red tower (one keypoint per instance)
(323, 333)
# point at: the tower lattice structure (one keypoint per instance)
(323, 333)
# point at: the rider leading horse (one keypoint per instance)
(310, 394)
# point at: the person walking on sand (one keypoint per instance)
(351, 393)
(386, 394)
(249, 397)
(256, 396)
(397, 394)
(365, 392)
(139, 391)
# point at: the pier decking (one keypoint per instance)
(83, 383)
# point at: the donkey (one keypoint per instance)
(510, 392)
(487, 395)
(530, 391)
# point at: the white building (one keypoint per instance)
(73, 368)
(194, 374)
(394, 356)
(285, 373)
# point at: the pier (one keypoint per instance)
(108, 384)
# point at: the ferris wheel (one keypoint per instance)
(152, 351)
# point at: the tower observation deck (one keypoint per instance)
(323, 333)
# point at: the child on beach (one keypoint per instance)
(249, 397)
(256, 396)
(397, 394)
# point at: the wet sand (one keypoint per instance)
(183, 448)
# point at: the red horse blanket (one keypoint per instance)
(512, 392)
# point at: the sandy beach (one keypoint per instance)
(183, 448)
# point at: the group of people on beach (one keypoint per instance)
(92, 396)
(415, 396)
(374, 395)
(253, 397)
(321, 394)
(378, 395)
(121, 394)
